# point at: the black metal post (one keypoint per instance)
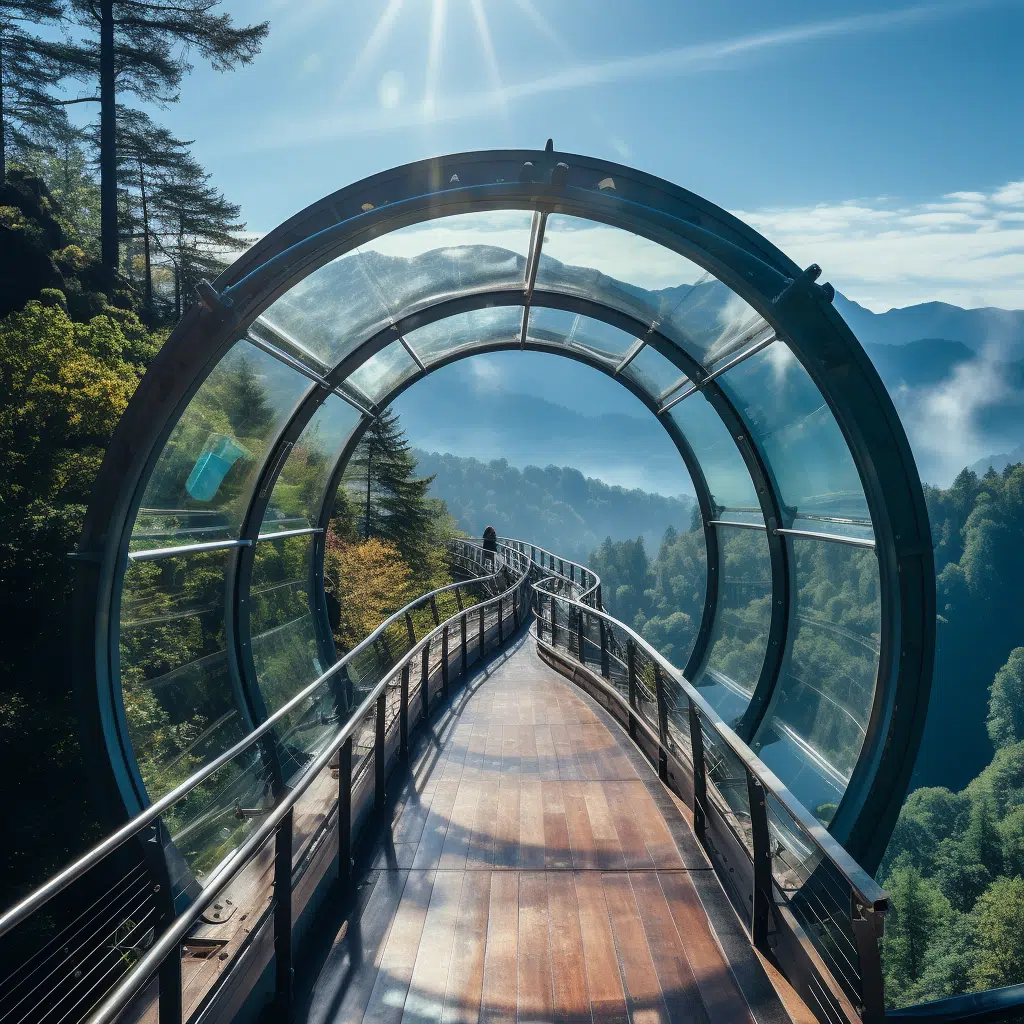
(403, 716)
(433, 609)
(581, 650)
(458, 598)
(533, 553)
(480, 638)
(380, 769)
(425, 681)
(411, 628)
(761, 897)
(345, 811)
(605, 665)
(463, 630)
(600, 606)
(867, 930)
(515, 611)
(283, 916)
(554, 622)
(501, 627)
(631, 683)
(700, 777)
(444, 661)
(170, 988)
(572, 572)
(659, 689)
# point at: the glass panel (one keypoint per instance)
(344, 302)
(816, 724)
(653, 372)
(299, 488)
(381, 373)
(466, 330)
(179, 702)
(560, 327)
(726, 473)
(202, 481)
(692, 307)
(797, 433)
(739, 638)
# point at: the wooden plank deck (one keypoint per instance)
(534, 871)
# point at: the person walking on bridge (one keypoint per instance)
(490, 545)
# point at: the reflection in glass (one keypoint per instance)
(797, 433)
(654, 373)
(817, 720)
(724, 469)
(739, 638)
(464, 330)
(206, 472)
(340, 305)
(383, 372)
(595, 337)
(299, 488)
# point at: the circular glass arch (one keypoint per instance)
(204, 609)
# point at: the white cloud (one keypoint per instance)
(966, 248)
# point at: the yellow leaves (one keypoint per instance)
(370, 581)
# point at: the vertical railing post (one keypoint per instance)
(533, 553)
(761, 901)
(631, 684)
(700, 776)
(572, 572)
(501, 627)
(600, 606)
(463, 630)
(515, 611)
(379, 758)
(283, 915)
(403, 716)
(659, 689)
(480, 638)
(411, 628)
(554, 622)
(170, 988)
(581, 650)
(458, 598)
(433, 610)
(444, 661)
(605, 663)
(867, 930)
(345, 811)
(425, 680)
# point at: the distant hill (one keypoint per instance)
(998, 462)
(975, 328)
(557, 507)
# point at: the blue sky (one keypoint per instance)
(882, 141)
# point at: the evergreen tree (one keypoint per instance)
(996, 924)
(1006, 702)
(394, 503)
(247, 403)
(143, 50)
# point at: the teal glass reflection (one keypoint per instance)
(817, 721)
(575, 331)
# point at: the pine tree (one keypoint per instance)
(144, 48)
(394, 503)
(30, 67)
(248, 404)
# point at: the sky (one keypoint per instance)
(879, 140)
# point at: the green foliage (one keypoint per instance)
(996, 926)
(1006, 702)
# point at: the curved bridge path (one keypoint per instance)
(531, 866)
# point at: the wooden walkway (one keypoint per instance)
(535, 870)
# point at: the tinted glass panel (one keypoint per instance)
(206, 472)
(559, 327)
(299, 488)
(653, 372)
(344, 302)
(724, 469)
(740, 636)
(797, 432)
(816, 724)
(179, 702)
(464, 330)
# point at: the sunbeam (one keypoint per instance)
(542, 24)
(484, 31)
(434, 45)
(374, 44)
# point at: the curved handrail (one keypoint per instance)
(868, 890)
(25, 907)
(593, 588)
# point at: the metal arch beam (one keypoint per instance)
(663, 213)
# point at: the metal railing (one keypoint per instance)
(388, 653)
(806, 902)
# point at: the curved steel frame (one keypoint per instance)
(798, 310)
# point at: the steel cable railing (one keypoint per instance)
(375, 681)
(806, 901)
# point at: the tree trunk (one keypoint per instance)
(147, 288)
(109, 252)
(3, 123)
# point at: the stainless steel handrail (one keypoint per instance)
(77, 868)
(595, 586)
(867, 890)
(139, 975)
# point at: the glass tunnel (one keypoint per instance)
(201, 598)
